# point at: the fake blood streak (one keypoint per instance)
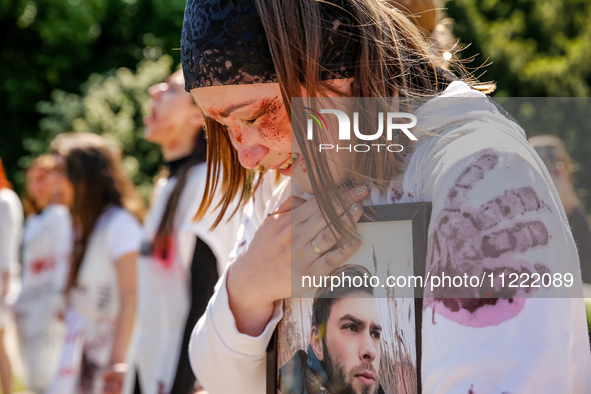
(271, 122)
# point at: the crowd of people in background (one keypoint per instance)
(104, 296)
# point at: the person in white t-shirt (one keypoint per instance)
(11, 223)
(106, 215)
(180, 260)
(494, 208)
(46, 248)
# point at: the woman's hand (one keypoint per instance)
(296, 240)
(113, 378)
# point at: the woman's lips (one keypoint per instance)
(287, 163)
(285, 168)
(148, 120)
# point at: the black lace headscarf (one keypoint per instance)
(224, 43)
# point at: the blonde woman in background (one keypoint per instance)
(46, 246)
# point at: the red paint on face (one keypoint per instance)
(262, 134)
(271, 122)
(217, 113)
(256, 121)
(238, 136)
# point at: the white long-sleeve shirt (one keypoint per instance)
(494, 207)
(164, 294)
(216, 342)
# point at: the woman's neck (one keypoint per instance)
(177, 150)
(175, 165)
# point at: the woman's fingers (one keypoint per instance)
(310, 210)
(333, 258)
(113, 382)
(327, 238)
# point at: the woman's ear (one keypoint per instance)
(196, 120)
(316, 343)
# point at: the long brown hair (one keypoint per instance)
(393, 60)
(166, 225)
(94, 168)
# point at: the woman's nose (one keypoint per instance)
(250, 149)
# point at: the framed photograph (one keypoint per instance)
(358, 330)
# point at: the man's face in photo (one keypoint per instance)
(351, 349)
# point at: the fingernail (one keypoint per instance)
(360, 190)
(352, 242)
(354, 209)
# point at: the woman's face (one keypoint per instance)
(259, 128)
(39, 187)
(174, 115)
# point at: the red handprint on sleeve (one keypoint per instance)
(482, 241)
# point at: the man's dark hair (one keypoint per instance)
(325, 296)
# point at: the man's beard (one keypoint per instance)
(338, 379)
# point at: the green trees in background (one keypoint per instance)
(536, 48)
(57, 44)
(111, 104)
(85, 65)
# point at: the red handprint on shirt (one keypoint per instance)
(482, 241)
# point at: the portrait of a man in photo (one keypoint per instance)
(345, 342)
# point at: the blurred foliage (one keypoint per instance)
(111, 104)
(535, 48)
(568, 118)
(57, 44)
(538, 48)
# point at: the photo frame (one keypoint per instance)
(394, 243)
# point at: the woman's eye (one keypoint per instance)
(376, 334)
(251, 121)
